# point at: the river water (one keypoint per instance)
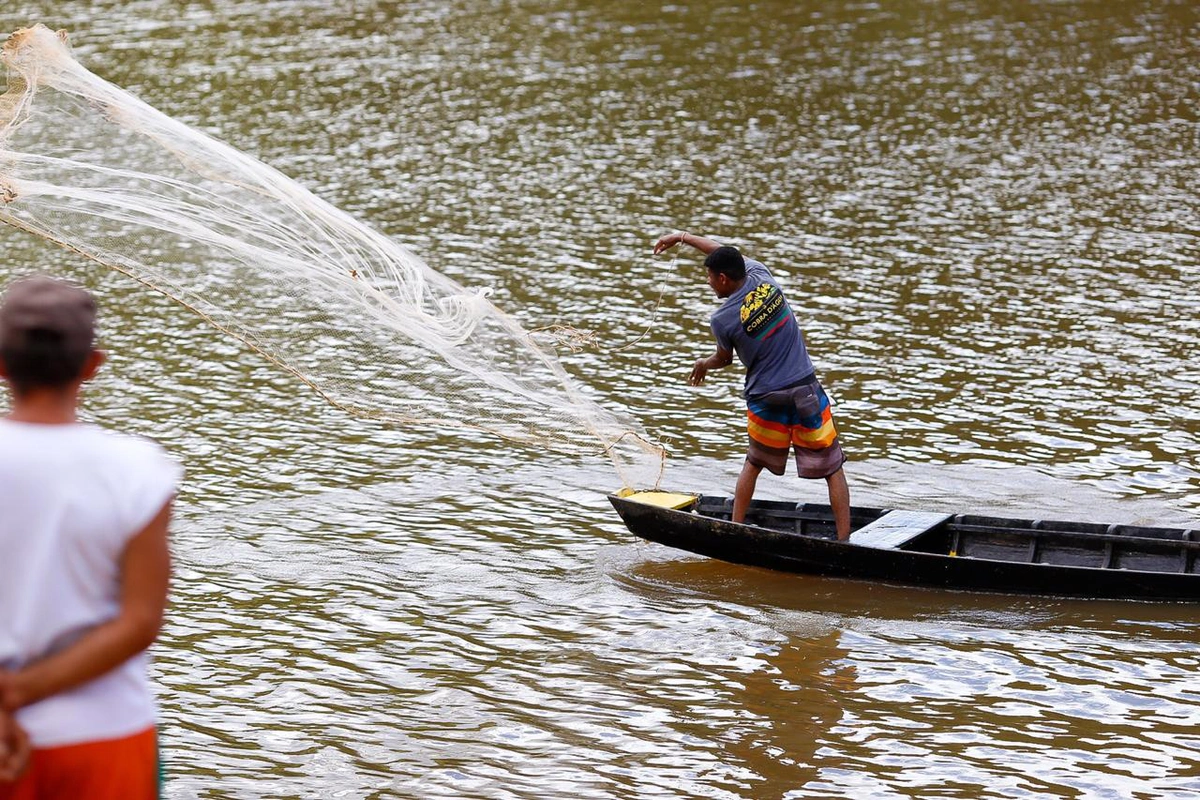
(985, 215)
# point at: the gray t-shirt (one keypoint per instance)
(757, 323)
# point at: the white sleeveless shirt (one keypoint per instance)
(71, 498)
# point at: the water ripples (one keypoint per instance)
(986, 219)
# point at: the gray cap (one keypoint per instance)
(40, 303)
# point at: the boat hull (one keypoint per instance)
(791, 552)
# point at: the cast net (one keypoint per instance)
(352, 313)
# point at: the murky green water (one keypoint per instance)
(986, 217)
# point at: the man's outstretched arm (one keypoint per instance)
(705, 246)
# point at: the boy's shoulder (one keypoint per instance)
(128, 448)
(81, 440)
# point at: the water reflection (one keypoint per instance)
(883, 692)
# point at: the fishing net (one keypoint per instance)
(353, 314)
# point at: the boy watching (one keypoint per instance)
(84, 563)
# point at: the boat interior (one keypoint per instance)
(1061, 543)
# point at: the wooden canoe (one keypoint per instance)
(971, 552)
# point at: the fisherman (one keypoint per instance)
(785, 404)
(84, 563)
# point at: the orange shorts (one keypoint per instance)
(112, 769)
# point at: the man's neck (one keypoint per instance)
(45, 407)
(734, 290)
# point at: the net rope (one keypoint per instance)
(353, 314)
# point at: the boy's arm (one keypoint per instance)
(145, 573)
(705, 246)
(721, 358)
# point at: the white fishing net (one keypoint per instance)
(352, 313)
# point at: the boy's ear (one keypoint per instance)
(91, 366)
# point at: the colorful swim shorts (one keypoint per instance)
(795, 418)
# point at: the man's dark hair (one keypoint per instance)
(42, 361)
(727, 261)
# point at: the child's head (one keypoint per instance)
(726, 270)
(47, 332)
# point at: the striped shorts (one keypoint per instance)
(797, 418)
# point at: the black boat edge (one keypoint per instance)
(964, 552)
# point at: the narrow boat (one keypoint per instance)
(919, 548)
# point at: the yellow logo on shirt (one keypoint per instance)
(754, 300)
